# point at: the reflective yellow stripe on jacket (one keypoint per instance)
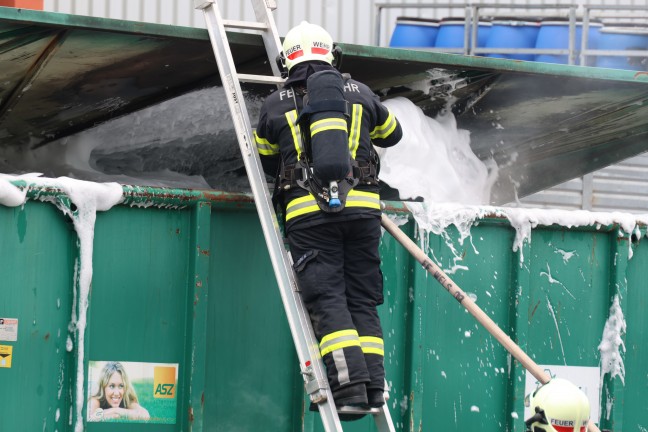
(372, 345)
(385, 129)
(295, 131)
(307, 204)
(338, 340)
(265, 147)
(354, 131)
(328, 124)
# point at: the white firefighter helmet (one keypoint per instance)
(558, 406)
(307, 42)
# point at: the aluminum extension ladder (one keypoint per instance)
(311, 364)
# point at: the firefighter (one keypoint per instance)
(321, 122)
(558, 406)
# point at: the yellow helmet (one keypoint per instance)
(307, 42)
(558, 406)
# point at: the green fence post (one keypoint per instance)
(196, 342)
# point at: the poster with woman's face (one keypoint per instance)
(132, 392)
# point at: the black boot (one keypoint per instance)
(354, 395)
(375, 398)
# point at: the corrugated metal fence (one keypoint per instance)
(619, 187)
(353, 21)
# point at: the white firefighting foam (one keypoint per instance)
(612, 343)
(434, 159)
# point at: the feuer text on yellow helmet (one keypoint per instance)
(307, 42)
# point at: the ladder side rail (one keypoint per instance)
(298, 320)
(262, 11)
(383, 420)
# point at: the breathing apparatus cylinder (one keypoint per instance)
(329, 137)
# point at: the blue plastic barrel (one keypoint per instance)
(452, 33)
(414, 32)
(513, 32)
(554, 34)
(483, 31)
(623, 37)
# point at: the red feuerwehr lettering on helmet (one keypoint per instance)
(294, 52)
(320, 48)
(563, 426)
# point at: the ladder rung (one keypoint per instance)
(271, 4)
(260, 79)
(202, 4)
(358, 410)
(247, 25)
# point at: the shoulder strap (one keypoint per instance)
(301, 141)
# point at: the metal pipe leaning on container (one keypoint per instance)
(470, 306)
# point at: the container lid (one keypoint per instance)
(452, 19)
(630, 24)
(457, 20)
(417, 21)
(622, 29)
(561, 20)
(485, 21)
(516, 21)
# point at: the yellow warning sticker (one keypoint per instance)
(5, 356)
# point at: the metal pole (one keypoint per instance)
(468, 19)
(473, 36)
(377, 24)
(571, 58)
(585, 37)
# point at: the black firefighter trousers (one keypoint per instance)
(338, 270)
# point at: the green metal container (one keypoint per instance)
(183, 278)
